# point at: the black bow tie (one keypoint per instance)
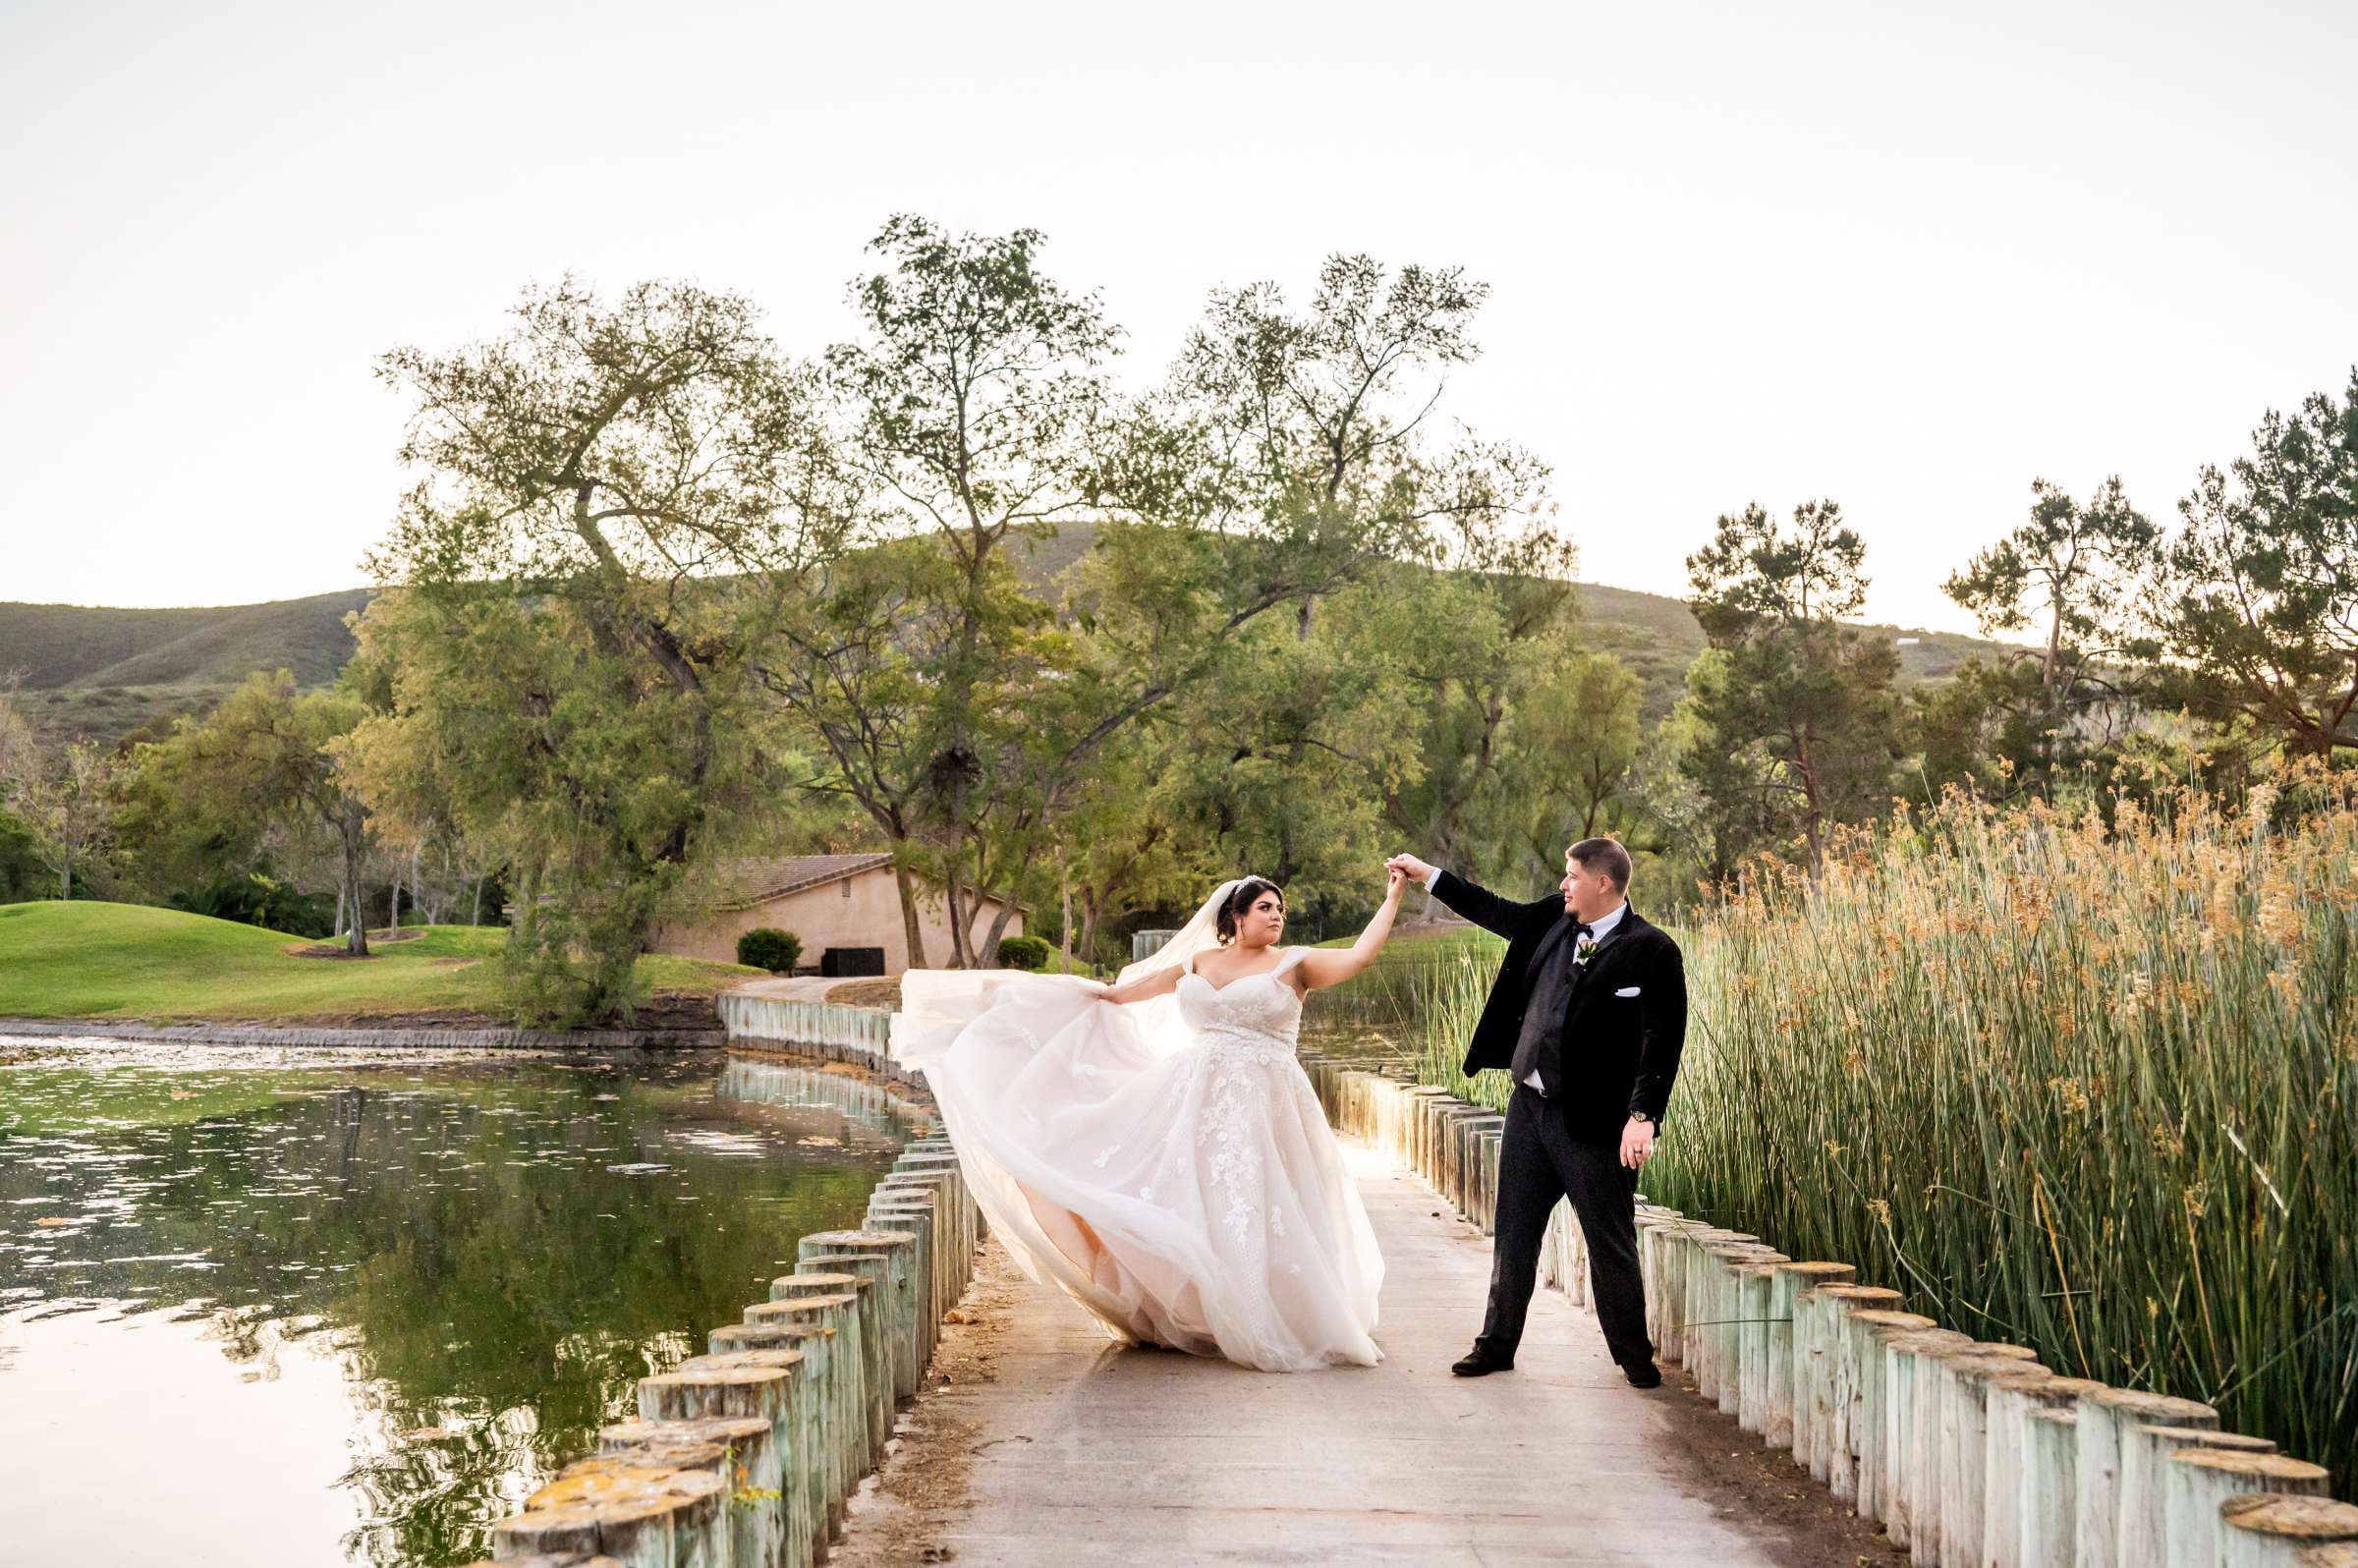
(1581, 930)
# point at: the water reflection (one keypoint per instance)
(234, 1283)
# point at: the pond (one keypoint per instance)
(264, 1307)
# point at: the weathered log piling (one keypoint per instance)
(747, 1456)
(1970, 1454)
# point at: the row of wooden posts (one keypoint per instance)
(1968, 1453)
(804, 1029)
(746, 1457)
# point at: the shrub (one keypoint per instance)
(767, 947)
(1023, 952)
(259, 899)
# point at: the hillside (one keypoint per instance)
(102, 673)
(1658, 637)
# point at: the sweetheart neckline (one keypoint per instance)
(1265, 974)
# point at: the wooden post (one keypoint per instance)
(912, 1209)
(2198, 1480)
(805, 1518)
(1812, 1378)
(2278, 1531)
(1788, 1283)
(737, 1340)
(889, 1332)
(895, 1255)
(954, 1238)
(760, 1385)
(1871, 1329)
(1911, 1365)
(1741, 1350)
(810, 1418)
(2008, 1400)
(1473, 1133)
(2102, 1413)
(835, 1381)
(1695, 1320)
(1962, 1380)
(1670, 1345)
(952, 1250)
(2143, 1534)
(640, 1517)
(740, 1450)
(2043, 1509)
(872, 1394)
(1756, 1291)
(1715, 1367)
(1654, 1238)
(964, 1208)
(1835, 1440)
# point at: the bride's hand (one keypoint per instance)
(1395, 882)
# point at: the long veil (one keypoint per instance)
(1200, 932)
(938, 1005)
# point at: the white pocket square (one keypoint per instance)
(1627, 990)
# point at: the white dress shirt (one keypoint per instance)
(1597, 929)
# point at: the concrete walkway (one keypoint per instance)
(791, 987)
(1050, 1447)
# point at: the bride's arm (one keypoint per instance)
(1160, 983)
(1321, 966)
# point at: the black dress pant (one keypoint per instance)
(1538, 1162)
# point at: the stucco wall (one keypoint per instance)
(824, 917)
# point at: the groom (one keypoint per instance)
(1589, 1014)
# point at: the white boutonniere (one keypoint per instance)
(1585, 951)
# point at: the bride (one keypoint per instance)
(1153, 1146)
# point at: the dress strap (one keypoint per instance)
(1292, 956)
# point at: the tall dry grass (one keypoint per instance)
(2093, 1089)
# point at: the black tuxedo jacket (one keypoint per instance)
(1620, 1052)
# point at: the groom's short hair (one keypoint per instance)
(1602, 855)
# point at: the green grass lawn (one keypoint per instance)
(126, 961)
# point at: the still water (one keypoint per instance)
(316, 1307)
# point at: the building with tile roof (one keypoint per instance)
(849, 903)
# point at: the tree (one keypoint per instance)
(619, 500)
(976, 410)
(2074, 569)
(1797, 713)
(1569, 747)
(267, 754)
(69, 808)
(2255, 599)
(1277, 466)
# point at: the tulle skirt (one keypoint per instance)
(1182, 1186)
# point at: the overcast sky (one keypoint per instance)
(1738, 252)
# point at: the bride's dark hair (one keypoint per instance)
(1242, 900)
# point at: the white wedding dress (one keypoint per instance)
(1166, 1162)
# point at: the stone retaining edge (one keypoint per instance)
(593, 1040)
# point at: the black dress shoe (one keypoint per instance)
(1481, 1363)
(1642, 1375)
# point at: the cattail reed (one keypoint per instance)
(2084, 1085)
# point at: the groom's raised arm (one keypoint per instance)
(1483, 908)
